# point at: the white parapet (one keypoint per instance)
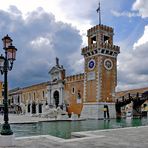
(95, 110)
(7, 141)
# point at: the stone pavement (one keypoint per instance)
(135, 137)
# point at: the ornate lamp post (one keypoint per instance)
(6, 64)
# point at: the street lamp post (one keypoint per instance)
(6, 64)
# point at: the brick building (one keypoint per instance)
(31, 99)
(84, 94)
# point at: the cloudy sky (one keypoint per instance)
(45, 29)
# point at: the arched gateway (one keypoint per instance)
(56, 98)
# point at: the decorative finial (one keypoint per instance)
(99, 12)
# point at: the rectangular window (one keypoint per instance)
(93, 40)
(106, 39)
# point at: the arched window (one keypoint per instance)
(56, 97)
(34, 95)
(73, 90)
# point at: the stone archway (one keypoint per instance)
(40, 108)
(56, 98)
(28, 108)
(33, 108)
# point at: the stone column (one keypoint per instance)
(52, 99)
(31, 107)
(37, 107)
(44, 106)
(84, 94)
(28, 102)
(50, 96)
(26, 108)
(61, 97)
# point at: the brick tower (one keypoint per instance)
(100, 74)
(100, 65)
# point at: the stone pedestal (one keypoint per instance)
(7, 141)
(95, 110)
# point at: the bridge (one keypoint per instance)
(137, 100)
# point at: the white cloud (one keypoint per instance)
(40, 42)
(142, 7)
(132, 70)
(143, 39)
(63, 10)
(77, 63)
(80, 13)
(39, 39)
(124, 13)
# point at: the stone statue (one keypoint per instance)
(57, 61)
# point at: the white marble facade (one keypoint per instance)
(52, 90)
(55, 89)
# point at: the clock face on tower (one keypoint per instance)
(91, 64)
(108, 64)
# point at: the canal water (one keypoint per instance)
(63, 129)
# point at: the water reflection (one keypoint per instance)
(106, 124)
(136, 122)
(63, 129)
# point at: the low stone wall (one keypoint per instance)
(96, 110)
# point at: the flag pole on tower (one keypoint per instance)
(99, 13)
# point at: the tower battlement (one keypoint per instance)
(93, 48)
(77, 77)
(100, 42)
(97, 28)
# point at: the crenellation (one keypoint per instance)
(97, 28)
(92, 49)
(76, 77)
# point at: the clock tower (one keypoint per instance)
(100, 72)
(100, 66)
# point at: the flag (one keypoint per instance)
(98, 8)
